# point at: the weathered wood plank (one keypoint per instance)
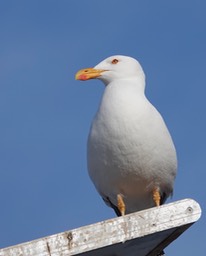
(142, 233)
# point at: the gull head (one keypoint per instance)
(113, 68)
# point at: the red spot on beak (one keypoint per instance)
(82, 77)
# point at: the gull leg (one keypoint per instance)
(156, 196)
(121, 204)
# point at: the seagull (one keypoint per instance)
(131, 156)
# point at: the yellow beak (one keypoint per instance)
(88, 73)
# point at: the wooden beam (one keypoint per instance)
(143, 233)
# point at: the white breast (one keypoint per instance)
(130, 150)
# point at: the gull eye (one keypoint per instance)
(114, 61)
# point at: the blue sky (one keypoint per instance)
(45, 114)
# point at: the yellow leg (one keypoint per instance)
(121, 204)
(156, 196)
